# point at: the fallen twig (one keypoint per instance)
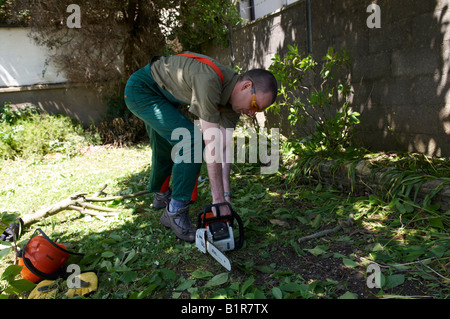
(320, 234)
(325, 232)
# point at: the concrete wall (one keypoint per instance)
(27, 76)
(24, 63)
(80, 102)
(400, 71)
(261, 7)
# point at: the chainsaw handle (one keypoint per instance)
(203, 217)
(239, 243)
(208, 208)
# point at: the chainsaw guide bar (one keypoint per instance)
(205, 246)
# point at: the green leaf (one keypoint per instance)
(349, 295)
(377, 247)
(168, 274)
(413, 252)
(280, 210)
(22, 285)
(128, 276)
(290, 287)
(11, 272)
(318, 250)
(130, 256)
(393, 281)
(4, 252)
(349, 263)
(108, 254)
(258, 294)
(436, 222)
(266, 269)
(116, 237)
(297, 248)
(185, 285)
(394, 202)
(8, 218)
(218, 280)
(201, 274)
(246, 285)
(277, 293)
(145, 293)
(438, 251)
(317, 221)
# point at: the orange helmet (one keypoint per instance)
(42, 258)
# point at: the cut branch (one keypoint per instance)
(90, 212)
(107, 199)
(81, 204)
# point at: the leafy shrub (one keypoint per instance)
(10, 115)
(34, 135)
(317, 96)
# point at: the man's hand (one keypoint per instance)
(224, 210)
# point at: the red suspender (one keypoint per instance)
(205, 61)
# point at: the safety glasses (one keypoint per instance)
(254, 106)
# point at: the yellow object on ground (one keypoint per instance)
(82, 285)
(46, 289)
(88, 282)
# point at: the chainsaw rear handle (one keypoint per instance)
(204, 219)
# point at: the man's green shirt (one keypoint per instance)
(198, 85)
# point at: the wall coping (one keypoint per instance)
(47, 86)
(33, 87)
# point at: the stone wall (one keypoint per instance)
(399, 73)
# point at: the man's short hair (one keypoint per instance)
(264, 81)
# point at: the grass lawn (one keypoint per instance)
(136, 257)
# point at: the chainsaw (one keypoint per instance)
(215, 233)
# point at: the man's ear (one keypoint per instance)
(246, 84)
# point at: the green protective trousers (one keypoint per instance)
(166, 127)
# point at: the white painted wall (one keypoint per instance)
(22, 62)
(262, 7)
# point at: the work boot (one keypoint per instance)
(180, 223)
(161, 200)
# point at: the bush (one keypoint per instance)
(10, 115)
(32, 135)
(317, 97)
